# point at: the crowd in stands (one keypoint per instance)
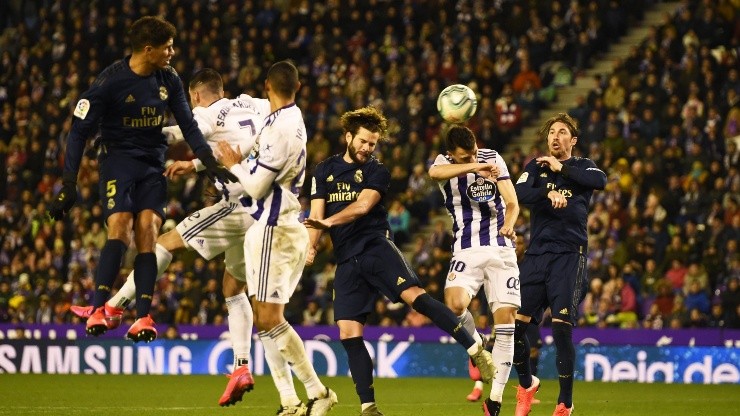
(664, 125)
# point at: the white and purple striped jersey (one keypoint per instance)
(235, 120)
(475, 205)
(279, 156)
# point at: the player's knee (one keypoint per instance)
(265, 322)
(232, 286)
(171, 241)
(457, 308)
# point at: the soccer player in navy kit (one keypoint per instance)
(127, 102)
(558, 189)
(346, 198)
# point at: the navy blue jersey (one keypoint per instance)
(564, 229)
(129, 111)
(339, 183)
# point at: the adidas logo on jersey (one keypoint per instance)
(400, 281)
(543, 174)
(200, 241)
(275, 294)
(564, 311)
(130, 99)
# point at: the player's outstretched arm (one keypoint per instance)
(367, 199)
(179, 167)
(590, 177)
(444, 172)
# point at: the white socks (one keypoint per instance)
(503, 355)
(127, 293)
(291, 348)
(280, 371)
(241, 321)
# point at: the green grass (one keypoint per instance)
(198, 395)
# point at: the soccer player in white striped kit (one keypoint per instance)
(216, 229)
(275, 246)
(481, 200)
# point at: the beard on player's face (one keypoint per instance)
(357, 155)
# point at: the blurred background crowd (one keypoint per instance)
(664, 124)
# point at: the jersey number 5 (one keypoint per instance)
(110, 188)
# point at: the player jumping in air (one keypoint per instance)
(275, 245)
(127, 102)
(482, 203)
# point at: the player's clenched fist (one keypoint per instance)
(64, 200)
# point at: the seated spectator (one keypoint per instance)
(665, 297)
(313, 314)
(591, 303)
(508, 116)
(625, 304)
(717, 316)
(676, 275)
(695, 273)
(654, 319)
(415, 320)
(441, 236)
(399, 219)
(696, 319)
(696, 298)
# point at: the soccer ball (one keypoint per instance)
(457, 103)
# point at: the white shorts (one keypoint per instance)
(218, 229)
(495, 268)
(275, 257)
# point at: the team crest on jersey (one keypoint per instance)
(163, 94)
(482, 190)
(111, 203)
(358, 176)
(81, 109)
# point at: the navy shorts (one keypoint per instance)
(382, 268)
(559, 281)
(130, 185)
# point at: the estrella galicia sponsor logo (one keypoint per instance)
(512, 283)
(482, 190)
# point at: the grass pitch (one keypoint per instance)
(111, 395)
